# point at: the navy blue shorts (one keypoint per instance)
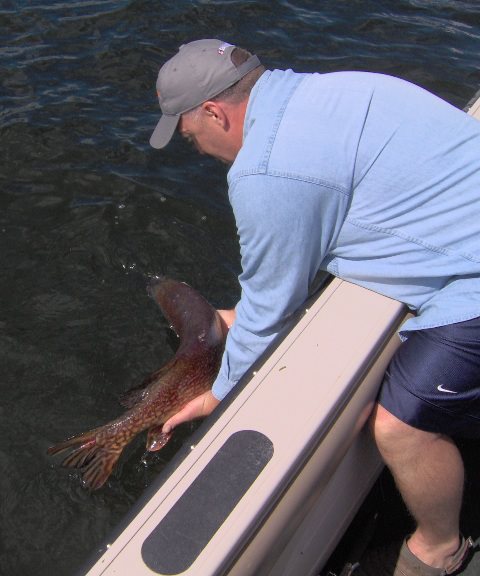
(433, 380)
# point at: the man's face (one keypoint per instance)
(205, 133)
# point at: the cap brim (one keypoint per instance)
(164, 131)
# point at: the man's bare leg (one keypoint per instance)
(429, 473)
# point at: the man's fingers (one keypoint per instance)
(184, 415)
(228, 318)
(200, 406)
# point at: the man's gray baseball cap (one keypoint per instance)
(198, 72)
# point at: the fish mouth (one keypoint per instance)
(153, 282)
(159, 282)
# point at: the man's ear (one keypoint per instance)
(215, 112)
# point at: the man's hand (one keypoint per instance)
(228, 318)
(199, 407)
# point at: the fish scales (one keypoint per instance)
(163, 393)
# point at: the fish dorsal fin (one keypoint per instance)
(137, 393)
(132, 397)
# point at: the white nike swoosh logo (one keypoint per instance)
(442, 389)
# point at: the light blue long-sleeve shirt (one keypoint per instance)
(366, 176)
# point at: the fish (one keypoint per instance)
(163, 393)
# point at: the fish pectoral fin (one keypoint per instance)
(156, 439)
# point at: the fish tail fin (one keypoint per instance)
(95, 460)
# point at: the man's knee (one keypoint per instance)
(393, 436)
(385, 427)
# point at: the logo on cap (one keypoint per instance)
(223, 47)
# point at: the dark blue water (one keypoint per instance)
(88, 211)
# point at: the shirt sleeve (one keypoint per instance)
(286, 228)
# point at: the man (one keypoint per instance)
(373, 180)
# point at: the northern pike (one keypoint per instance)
(162, 394)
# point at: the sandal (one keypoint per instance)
(394, 562)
